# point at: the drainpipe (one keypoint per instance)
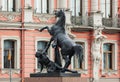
(75, 12)
(22, 40)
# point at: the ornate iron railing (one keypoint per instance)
(111, 22)
(107, 22)
(77, 20)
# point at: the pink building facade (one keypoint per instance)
(19, 18)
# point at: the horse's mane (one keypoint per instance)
(61, 20)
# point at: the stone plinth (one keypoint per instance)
(55, 77)
(55, 74)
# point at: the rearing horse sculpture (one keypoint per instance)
(62, 40)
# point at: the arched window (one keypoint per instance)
(109, 57)
(9, 48)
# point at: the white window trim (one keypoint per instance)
(51, 54)
(85, 69)
(114, 71)
(17, 56)
(114, 8)
(51, 6)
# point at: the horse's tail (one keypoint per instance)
(79, 51)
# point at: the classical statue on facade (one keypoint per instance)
(96, 51)
(61, 40)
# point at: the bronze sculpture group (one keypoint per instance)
(60, 40)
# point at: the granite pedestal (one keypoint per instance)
(55, 77)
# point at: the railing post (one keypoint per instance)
(95, 19)
(115, 21)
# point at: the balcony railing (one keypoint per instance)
(77, 20)
(111, 22)
(107, 22)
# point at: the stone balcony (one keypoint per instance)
(50, 19)
(111, 22)
(107, 22)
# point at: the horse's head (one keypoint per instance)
(59, 13)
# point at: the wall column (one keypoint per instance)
(28, 12)
(27, 3)
(0, 5)
(115, 12)
(51, 6)
(95, 16)
(62, 4)
(85, 12)
(94, 5)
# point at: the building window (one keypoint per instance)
(41, 6)
(41, 46)
(106, 8)
(108, 56)
(9, 47)
(76, 7)
(77, 64)
(10, 5)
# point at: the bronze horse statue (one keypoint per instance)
(63, 41)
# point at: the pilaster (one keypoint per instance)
(62, 4)
(95, 19)
(28, 12)
(94, 5)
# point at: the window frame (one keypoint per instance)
(50, 52)
(10, 51)
(114, 59)
(16, 68)
(85, 52)
(107, 53)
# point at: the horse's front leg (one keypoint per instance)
(41, 29)
(48, 45)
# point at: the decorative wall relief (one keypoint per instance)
(44, 18)
(10, 17)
